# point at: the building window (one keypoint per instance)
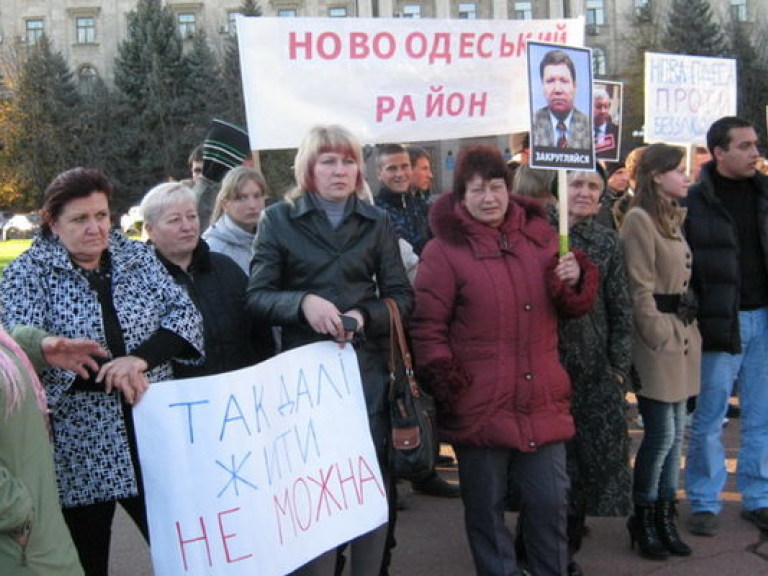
(85, 26)
(337, 12)
(187, 24)
(739, 10)
(412, 11)
(641, 3)
(599, 67)
(467, 11)
(34, 30)
(86, 80)
(287, 13)
(595, 12)
(523, 10)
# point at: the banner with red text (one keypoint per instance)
(257, 471)
(389, 80)
(684, 95)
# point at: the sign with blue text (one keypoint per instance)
(257, 471)
(684, 95)
(389, 80)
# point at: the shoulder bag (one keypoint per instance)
(412, 411)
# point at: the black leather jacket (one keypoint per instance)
(298, 253)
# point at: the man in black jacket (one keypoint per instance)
(727, 228)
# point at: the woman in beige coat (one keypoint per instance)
(667, 345)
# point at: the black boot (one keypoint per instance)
(666, 514)
(642, 529)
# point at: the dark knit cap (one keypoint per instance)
(611, 167)
(225, 147)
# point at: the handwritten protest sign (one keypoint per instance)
(389, 79)
(257, 471)
(684, 95)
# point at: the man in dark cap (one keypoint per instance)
(226, 146)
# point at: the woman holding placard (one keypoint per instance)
(322, 260)
(489, 292)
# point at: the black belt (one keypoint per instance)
(684, 305)
(667, 303)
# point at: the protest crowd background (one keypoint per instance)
(560, 285)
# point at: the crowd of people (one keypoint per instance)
(529, 353)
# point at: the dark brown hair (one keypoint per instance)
(481, 160)
(657, 159)
(67, 186)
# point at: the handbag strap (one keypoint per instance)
(398, 343)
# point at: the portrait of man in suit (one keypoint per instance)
(606, 130)
(560, 124)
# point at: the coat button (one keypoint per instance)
(528, 376)
(532, 444)
(527, 307)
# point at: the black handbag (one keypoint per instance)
(412, 411)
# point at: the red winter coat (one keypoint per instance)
(485, 327)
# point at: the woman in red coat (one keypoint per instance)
(488, 294)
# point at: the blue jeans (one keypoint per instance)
(657, 465)
(705, 473)
(484, 473)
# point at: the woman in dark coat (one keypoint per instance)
(323, 253)
(488, 294)
(596, 352)
(214, 282)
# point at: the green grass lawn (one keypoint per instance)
(10, 249)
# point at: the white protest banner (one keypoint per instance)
(389, 80)
(257, 471)
(684, 95)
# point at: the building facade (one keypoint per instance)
(88, 32)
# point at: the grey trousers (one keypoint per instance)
(543, 483)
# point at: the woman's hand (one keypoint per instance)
(126, 374)
(357, 315)
(568, 269)
(325, 318)
(73, 354)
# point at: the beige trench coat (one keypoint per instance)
(666, 352)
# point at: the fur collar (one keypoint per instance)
(451, 222)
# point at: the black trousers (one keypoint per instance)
(91, 529)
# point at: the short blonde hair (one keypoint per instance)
(321, 139)
(157, 200)
(232, 184)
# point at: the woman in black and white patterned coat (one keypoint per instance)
(80, 280)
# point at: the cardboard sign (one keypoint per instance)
(560, 79)
(607, 109)
(255, 472)
(684, 95)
